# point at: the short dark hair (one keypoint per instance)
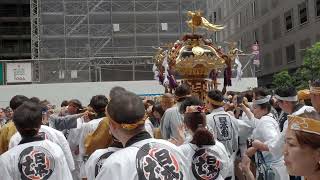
(99, 103)
(116, 91)
(286, 91)
(190, 101)
(76, 102)
(158, 108)
(248, 95)
(35, 99)
(216, 95)
(182, 91)
(196, 122)
(151, 102)
(260, 92)
(316, 83)
(232, 93)
(266, 105)
(64, 103)
(126, 109)
(17, 100)
(27, 117)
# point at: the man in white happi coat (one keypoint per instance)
(98, 104)
(226, 128)
(52, 135)
(34, 157)
(142, 157)
(96, 159)
(287, 100)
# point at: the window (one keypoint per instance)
(277, 54)
(288, 16)
(317, 4)
(214, 17)
(276, 29)
(26, 46)
(267, 62)
(10, 45)
(255, 35)
(317, 37)
(225, 7)
(304, 44)
(291, 53)
(240, 44)
(264, 7)
(219, 14)
(274, 3)
(266, 33)
(253, 8)
(232, 25)
(303, 12)
(239, 20)
(246, 16)
(215, 37)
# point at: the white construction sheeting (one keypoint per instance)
(56, 93)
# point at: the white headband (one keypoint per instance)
(262, 101)
(290, 98)
(314, 90)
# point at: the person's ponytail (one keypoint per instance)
(202, 136)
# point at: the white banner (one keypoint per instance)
(19, 72)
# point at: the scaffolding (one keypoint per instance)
(66, 29)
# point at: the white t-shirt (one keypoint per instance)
(148, 126)
(73, 139)
(276, 148)
(35, 160)
(85, 129)
(267, 131)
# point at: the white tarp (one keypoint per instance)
(56, 93)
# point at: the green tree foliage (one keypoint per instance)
(310, 70)
(283, 79)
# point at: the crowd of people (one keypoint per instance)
(257, 134)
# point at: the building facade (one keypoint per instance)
(15, 36)
(91, 37)
(283, 29)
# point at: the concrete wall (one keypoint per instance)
(56, 93)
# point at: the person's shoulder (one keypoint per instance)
(303, 109)
(267, 120)
(219, 145)
(99, 152)
(50, 143)
(47, 128)
(8, 126)
(165, 143)
(50, 130)
(94, 121)
(45, 144)
(16, 136)
(172, 109)
(185, 146)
